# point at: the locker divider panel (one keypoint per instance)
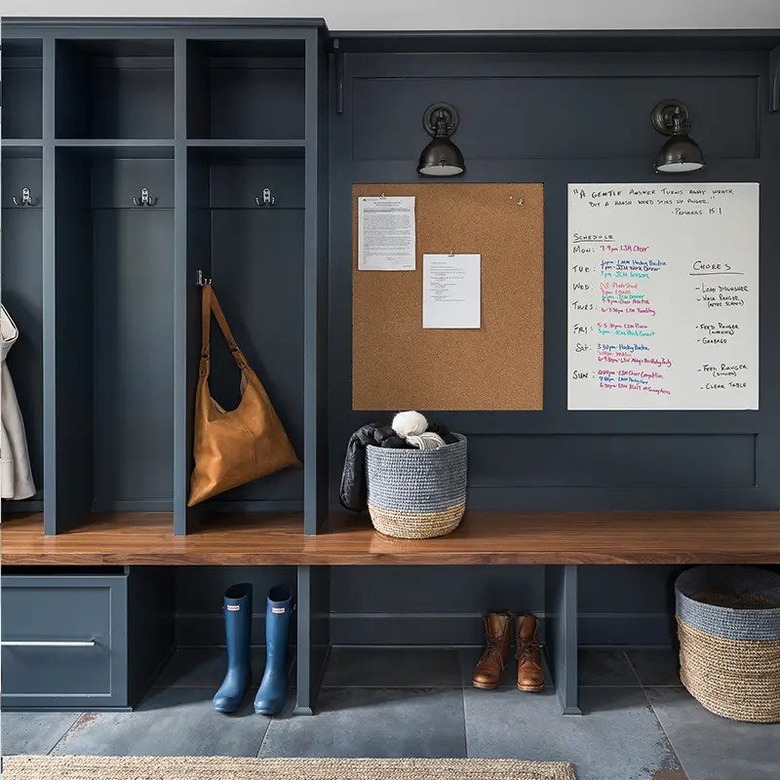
(73, 302)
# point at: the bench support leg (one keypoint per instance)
(561, 634)
(313, 634)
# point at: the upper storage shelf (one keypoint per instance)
(114, 89)
(22, 89)
(251, 89)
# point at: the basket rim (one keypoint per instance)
(404, 452)
(686, 578)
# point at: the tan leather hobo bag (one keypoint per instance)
(233, 447)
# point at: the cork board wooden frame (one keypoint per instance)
(396, 364)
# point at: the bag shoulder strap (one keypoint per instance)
(210, 305)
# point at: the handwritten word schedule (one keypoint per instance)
(663, 296)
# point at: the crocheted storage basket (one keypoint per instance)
(728, 623)
(417, 494)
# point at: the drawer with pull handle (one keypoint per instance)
(64, 641)
(40, 643)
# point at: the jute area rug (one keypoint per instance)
(176, 768)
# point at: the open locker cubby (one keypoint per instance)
(114, 326)
(22, 79)
(254, 255)
(246, 89)
(22, 295)
(114, 89)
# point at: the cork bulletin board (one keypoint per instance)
(396, 364)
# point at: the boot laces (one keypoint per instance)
(494, 648)
(526, 651)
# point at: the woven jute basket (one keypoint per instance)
(728, 623)
(417, 494)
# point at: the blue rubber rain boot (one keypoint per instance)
(273, 689)
(238, 627)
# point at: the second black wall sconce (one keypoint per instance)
(680, 154)
(441, 157)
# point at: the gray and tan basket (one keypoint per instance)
(417, 494)
(728, 623)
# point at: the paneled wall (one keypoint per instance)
(555, 117)
(433, 605)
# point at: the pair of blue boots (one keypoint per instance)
(237, 607)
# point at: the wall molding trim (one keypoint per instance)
(449, 629)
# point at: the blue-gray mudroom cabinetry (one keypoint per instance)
(143, 157)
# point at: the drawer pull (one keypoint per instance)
(44, 643)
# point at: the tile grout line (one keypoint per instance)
(463, 713)
(265, 736)
(641, 682)
(668, 738)
(464, 685)
(66, 732)
(633, 668)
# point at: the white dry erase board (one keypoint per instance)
(663, 296)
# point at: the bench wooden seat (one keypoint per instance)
(642, 537)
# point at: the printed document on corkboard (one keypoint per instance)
(396, 363)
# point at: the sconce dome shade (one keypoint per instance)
(441, 158)
(680, 154)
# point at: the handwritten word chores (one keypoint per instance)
(663, 296)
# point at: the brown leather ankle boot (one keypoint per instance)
(498, 627)
(530, 672)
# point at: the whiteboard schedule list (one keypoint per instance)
(663, 296)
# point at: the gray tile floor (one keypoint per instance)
(639, 723)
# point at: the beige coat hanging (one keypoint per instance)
(16, 480)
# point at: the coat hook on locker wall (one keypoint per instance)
(26, 199)
(268, 198)
(144, 199)
(201, 279)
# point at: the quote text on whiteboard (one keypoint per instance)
(663, 296)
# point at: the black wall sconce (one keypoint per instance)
(680, 154)
(441, 157)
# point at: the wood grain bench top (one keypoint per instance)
(257, 539)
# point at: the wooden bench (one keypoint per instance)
(561, 538)
(558, 540)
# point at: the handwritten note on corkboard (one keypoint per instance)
(396, 364)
